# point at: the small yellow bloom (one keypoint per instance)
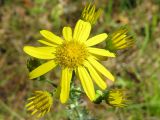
(119, 40)
(40, 104)
(117, 98)
(90, 14)
(73, 52)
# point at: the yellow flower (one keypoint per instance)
(90, 14)
(117, 98)
(119, 40)
(40, 104)
(73, 52)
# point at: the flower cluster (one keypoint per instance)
(40, 103)
(119, 39)
(117, 98)
(113, 97)
(75, 53)
(90, 14)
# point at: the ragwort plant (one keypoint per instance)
(76, 55)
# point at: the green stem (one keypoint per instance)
(79, 91)
(53, 84)
(48, 81)
(78, 114)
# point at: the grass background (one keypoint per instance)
(136, 69)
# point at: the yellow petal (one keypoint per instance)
(34, 112)
(29, 104)
(42, 69)
(31, 98)
(49, 109)
(121, 42)
(31, 108)
(100, 68)
(123, 46)
(47, 43)
(42, 105)
(95, 75)
(87, 83)
(77, 30)
(40, 52)
(119, 38)
(81, 31)
(101, 52)
(41, 114)
(126, 42)
(65, 84)
(96, 39)
(51, 37)
(67, 33)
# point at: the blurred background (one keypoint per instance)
(136, 69)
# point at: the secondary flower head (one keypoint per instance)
(40, 103)
(119, 40)
(117, 98)
(90, 14)
(73, 52)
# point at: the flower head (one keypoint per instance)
(116, 98)
(40, 103)
(90, 14)
(73, 52)
(119, 40)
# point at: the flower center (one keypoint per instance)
(71, 54)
